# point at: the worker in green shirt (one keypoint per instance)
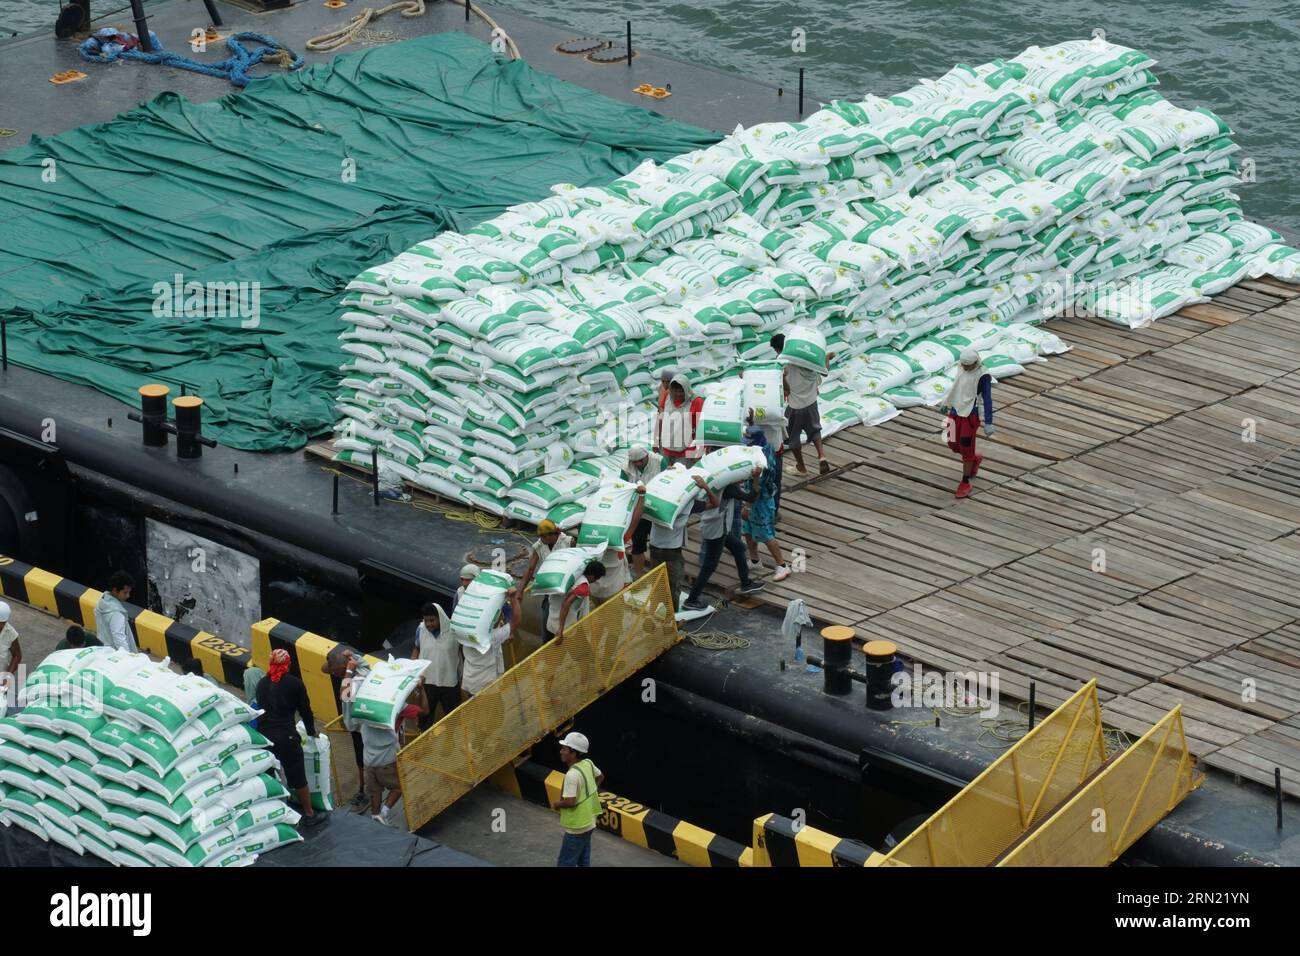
(579, 802)
(75, 637)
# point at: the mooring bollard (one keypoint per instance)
(153, 415)
(189, 427)
(629, 43)
(880, 672)
(837, 648)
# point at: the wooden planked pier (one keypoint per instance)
(1136, 520)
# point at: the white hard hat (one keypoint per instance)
(575, 741)
(4, 612)
(469, 571)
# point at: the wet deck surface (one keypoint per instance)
(701, 95)
(1135, 520)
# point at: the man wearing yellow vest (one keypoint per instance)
(579, 801)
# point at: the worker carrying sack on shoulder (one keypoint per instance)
(608, 514)
(384, 690)
(670, 494)
(805, 347)
(559, 572)
(722, 419)
(477, 610)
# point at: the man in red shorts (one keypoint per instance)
(972, 383)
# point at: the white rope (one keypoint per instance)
(337, 39)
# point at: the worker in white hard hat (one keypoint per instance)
(579, 802)
(9, 640)
(972, 383)
(641, 467)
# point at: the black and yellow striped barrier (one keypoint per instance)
(631, 821)
(780, 841)
(160, 636)
(308, 652)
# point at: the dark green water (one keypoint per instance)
(1237, 58)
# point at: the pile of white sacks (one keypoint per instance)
(511, 366)
(117, 756)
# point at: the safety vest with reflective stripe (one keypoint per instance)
(583, 815)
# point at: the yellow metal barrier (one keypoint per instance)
(1016, 792)
(535, 696)
(1132, 794)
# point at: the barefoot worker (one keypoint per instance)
(972, 382)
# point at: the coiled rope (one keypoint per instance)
(337, 39)
(105, 46)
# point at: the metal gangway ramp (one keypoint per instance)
(536, 696)
(1055, 799)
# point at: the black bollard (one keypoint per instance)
(837, 647)
(374, 474)
(212, 12)
(629, 43)
(1032, 688)
(4, 346)
(189, 427)
(801, 92)
(880, 673)
(335, 509)
(153, 415)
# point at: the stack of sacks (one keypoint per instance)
(495, 366)
(117, 756)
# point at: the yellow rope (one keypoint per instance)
(4, 131)
(480, 519)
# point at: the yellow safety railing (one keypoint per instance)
(535, 696)
(1132, 794)
(1017, 791)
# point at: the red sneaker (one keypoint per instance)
(963, 490)
(975, 468)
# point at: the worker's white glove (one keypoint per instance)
(988, 429)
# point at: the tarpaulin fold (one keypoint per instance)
(296, 184)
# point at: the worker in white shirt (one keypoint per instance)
(9, 641)
(641, 467)
(483, 667)
(437, 645)
(468, 572)
(111, 619)
(667, 544)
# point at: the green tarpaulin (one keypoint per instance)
(257, 187)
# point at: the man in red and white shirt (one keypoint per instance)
(679, 414)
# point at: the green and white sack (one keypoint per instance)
(609, 511)
(476, 612)
(765, 391)
(729, 466)
(384, 690)
(722, 416)
(805, 347)
(561, 569)
(669, 495)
